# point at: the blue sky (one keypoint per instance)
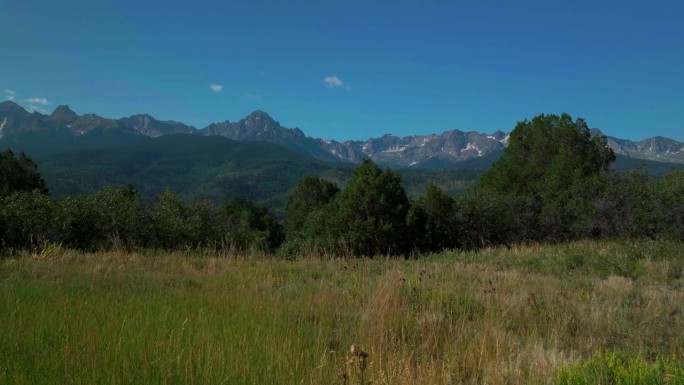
(353, 69)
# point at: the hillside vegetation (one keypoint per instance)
(196, 167)
(215, 168)
(555, 182)
(552, 268)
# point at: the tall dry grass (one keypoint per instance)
(500, 316)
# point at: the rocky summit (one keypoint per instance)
(17, 126)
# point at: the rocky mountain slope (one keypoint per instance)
(657, 148)
(63, 130)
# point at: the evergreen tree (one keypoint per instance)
(310, 195)
(250, 226)
(370, 216)
(434, 220)
(551, 170)
(19, 174)
(548, 154)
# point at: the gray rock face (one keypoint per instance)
(15, 119)
(146, 125)
(657, 148)
(259, 126)
(62, 116)
(443, 149)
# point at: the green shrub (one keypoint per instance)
(27, 219)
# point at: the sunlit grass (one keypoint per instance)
(616, 369)
(500, 316)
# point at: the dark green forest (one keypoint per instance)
(553, 183)
(215, 168)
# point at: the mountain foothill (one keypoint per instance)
(256, 156)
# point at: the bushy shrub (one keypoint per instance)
(27, 219)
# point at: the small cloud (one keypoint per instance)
(9, 94)
(34, 108)
(332, 81)
(42, 101)
(335, 82)
(216, 87)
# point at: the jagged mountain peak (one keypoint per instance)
(147, 125)
(260, 120)
(93, 123)
(499, 135)
(9, 106)
(149, 118)
(63, 109)
(140, 116)
(428, 150)
(62, 116)
(661, 144)
(254, 126)
(137, 119)
(9, 103)
(14, 118)
(259, 114)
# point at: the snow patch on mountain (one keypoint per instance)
(396, 149)
(471, 146)
(2, 126)
(447, 148)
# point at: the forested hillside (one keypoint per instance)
(198, 167)
(555, 182)
(215, 168)
(195, 167)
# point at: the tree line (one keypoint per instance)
(554, 183)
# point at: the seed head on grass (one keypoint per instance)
(362, 360)
(360, 357)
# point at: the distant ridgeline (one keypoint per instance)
(256, 156)
(554, 182)
(64, 130)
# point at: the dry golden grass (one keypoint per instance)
(495, 317)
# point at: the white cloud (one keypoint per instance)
(9, 94)
(42, 101)
(34, 104)
(332, 81)
(34, 108)
(335, 82)
(216, 87)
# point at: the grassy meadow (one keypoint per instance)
(581, 313)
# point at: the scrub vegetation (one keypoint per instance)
(552, 269)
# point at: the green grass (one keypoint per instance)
(619, 370)
(527, 315)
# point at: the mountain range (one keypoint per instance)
(64, 130)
